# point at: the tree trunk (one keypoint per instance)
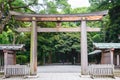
(50, 57)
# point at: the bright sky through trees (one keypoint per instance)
(79, 3)
(76, 3)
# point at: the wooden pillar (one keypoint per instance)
(102, 57)
(111, 59)
(5, 61)
(14, 54)
(84, 56)
(33, 48)
(118, 60)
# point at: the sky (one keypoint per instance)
(76, 3)
(79, 3)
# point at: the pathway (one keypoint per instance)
(59, 69)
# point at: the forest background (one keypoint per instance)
(54, 47)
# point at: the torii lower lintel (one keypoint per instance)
(77, 29)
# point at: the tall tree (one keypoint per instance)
(112, 25)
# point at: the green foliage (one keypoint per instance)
(80, 10)
(51, 8)
(67, 41)
(63, 5)
(18, 2)
(47, 24)
(112, 22)
(56, 43)
(114, 25)
(4, 38)
(21, 59)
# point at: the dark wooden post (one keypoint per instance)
(14, 54)
(111, 52)
(33, 49)
(58, 24)
(118, 60)
(5, 61)
(84, 56)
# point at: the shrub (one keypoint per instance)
(21, 59)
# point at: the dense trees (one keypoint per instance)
(57, 44)
(112, 25)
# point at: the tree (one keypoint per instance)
(112, 25)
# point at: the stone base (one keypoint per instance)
(34, 76)
(85, 76)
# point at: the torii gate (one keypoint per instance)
(34, 18)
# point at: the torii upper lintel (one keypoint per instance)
(59, 17)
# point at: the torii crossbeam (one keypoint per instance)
(34, 18)
(77, 29)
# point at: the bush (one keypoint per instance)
(21, 59)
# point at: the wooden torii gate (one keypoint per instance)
(34, 18)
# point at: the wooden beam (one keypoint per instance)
(23, 29)
(59, 15)
(77, 29)
(62, 19)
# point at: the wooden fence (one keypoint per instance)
(17, 70)
(101, 70)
